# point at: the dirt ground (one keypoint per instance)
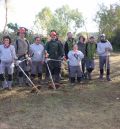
(92, 105)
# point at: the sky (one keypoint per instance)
(23, 12)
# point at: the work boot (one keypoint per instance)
(79, 79)
(89, 76)
(101, 74)
(21, 82)
(72, 79)
(101, 77)
(108, 78)
(9, 85)
(4, 84)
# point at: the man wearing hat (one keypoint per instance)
(54, 50)
(22, 51)
(69, 44)
(104, 48)
(90, 50)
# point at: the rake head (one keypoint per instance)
(57, 85)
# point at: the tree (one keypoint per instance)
(43, 19)
(13, 27)
(62, 20)
(7, 6)
(108, 19)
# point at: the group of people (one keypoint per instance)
(79, 56)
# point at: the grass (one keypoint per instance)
(91, 105)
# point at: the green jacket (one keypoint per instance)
(90, 50)
(68, 46)
(54, 49)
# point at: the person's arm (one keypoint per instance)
(47, 50)
(66, 50)
(60, 50)
(86, 50)
(43, 54)
(31, 51)
(28, 43)
(16, 46)
(0, 53)
(81, 55)
(13, 53)
(110, 48)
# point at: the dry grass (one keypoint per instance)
(91, 105)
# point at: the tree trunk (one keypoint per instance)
(6, 16)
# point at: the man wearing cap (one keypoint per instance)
(104, 48)
(90, 50)
(22, 51)
(54, 50)
(69, 44)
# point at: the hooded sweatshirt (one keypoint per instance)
(101, 46)
(75, 58)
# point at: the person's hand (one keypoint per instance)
(107, 49)
(17, 62)
(41, 62)
(46, 55)
(64, 58)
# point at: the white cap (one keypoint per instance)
(102, 35)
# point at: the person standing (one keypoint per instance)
(37, 53)
(90, 55)
(75, 56)
(81, 47)
(22, 48)
(104, 48)
(7, 58)
(68, 44)
(54, 50)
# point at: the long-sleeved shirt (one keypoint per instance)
(7, 54)
(37, 50)
(101, 48)
(75, 58)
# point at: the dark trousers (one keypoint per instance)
(54, 67)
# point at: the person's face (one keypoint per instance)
(21, 35)
(75, 47)
(102, 38)
(81, 40)
(37, 40)
(53, 37)
(69, 35)
(92, 40)
(6, 42)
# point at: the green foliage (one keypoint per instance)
(13, 27)
(108, 20)
(62, 20)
